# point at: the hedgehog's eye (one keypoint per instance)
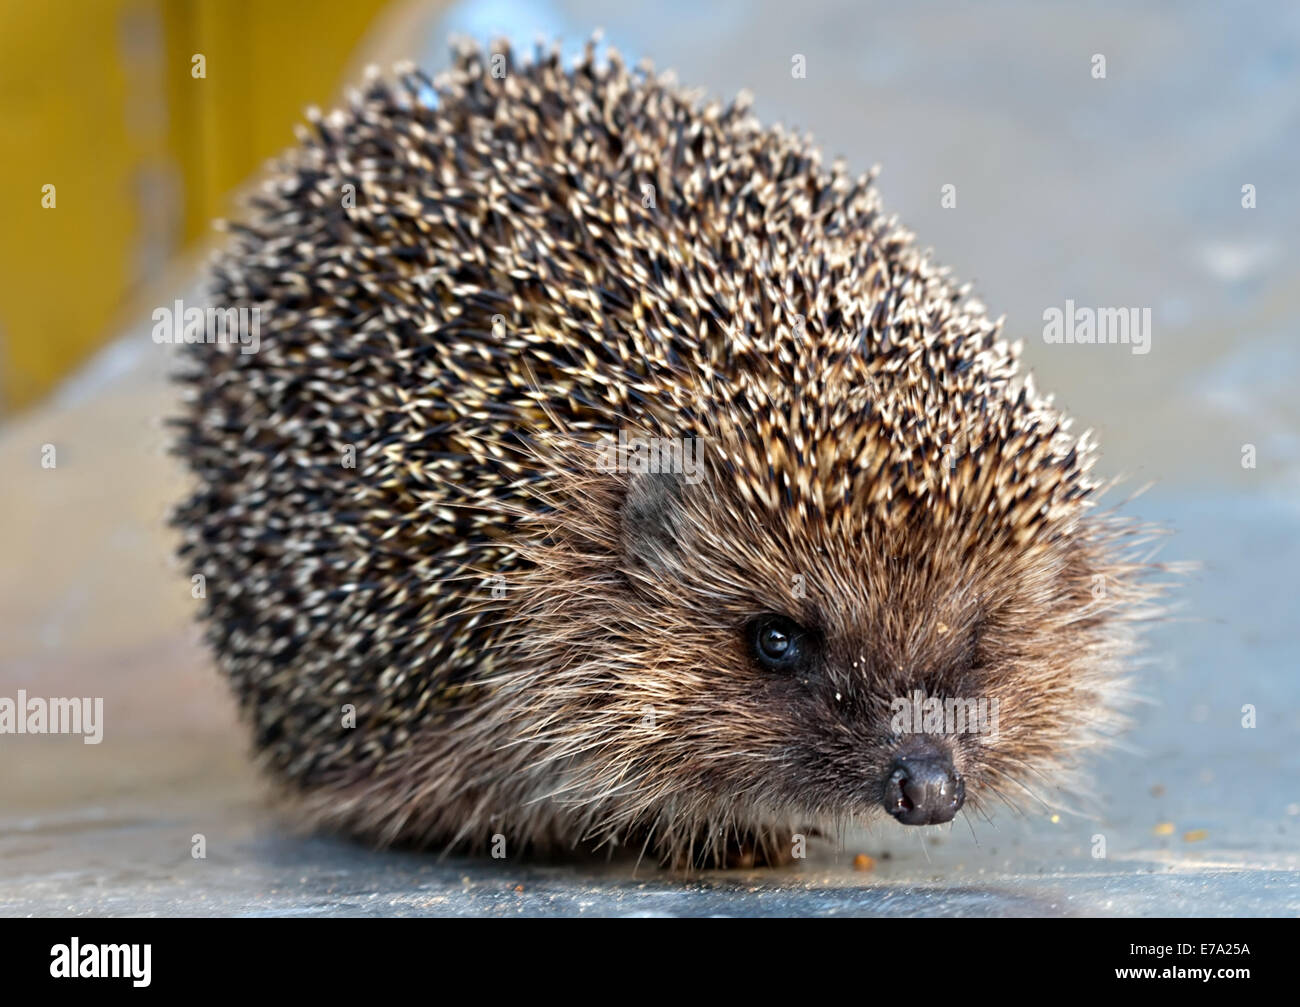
(776, 642)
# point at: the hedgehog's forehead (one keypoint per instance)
(855, 572)
(841, 462)
(860, 510)
(887, 582)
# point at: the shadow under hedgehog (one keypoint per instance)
(451, 621)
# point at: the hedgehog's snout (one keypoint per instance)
(923, 788)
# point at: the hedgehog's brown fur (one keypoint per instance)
(499, 297)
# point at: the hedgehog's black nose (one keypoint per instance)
(923, 790)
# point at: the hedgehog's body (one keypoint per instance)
(541, 646)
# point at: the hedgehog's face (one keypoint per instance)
(806, 670)
(907, 764)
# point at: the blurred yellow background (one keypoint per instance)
(102, 100)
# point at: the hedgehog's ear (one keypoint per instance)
(654, 523)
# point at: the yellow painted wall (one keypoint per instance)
(98, 99)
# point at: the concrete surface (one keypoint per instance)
(1117, 192)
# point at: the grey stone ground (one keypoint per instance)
(1117, 192)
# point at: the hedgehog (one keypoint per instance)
(613, 473)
